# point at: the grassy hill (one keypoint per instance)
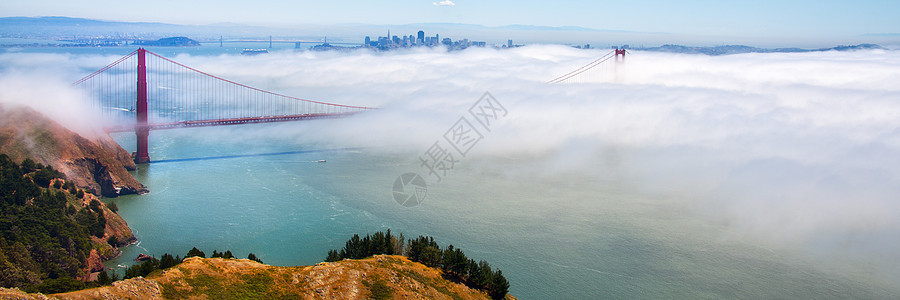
(376, 277)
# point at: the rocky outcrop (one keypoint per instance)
(134, 288)
(97, 164)
(17, 294)
(94, 263)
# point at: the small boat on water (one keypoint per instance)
(320, 161)
(254, 51)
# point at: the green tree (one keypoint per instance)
(28, 166)
(353, 248)
(43, 177)
(195, 252)
(499, 286)
(103, 278)
(333, 255)
(98, 228)
(143, 269)
(58, 285)
(453, 260)
(424, 249)
(253, 257)
(167, 261)
(95, 205)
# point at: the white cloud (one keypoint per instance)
(444, 3)
(42, 82)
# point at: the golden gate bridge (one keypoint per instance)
(183, 97)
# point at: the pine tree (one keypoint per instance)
(485, 275)
(168, 261)
(28, 166)
(103, 278)
(499, 286)
(195, 252)
(333, 255)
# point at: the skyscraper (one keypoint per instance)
(421, 37)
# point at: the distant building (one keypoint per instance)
(391, 42)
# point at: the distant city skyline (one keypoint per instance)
(749, 19)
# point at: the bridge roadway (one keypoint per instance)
(228, 121)
(279, 42)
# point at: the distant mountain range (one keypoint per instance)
(178, 41)
(62, 27)
(738, 49)
(66, 28)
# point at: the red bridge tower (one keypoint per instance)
(141, 129)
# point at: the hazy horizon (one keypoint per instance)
(767, 23)
(519, 33)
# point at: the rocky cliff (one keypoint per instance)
(378, 277)
(97, 164)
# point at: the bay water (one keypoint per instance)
(554, 238)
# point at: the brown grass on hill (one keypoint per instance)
(378, 277)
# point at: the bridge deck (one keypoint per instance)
(229, 121)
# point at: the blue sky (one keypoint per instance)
(779, 18)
